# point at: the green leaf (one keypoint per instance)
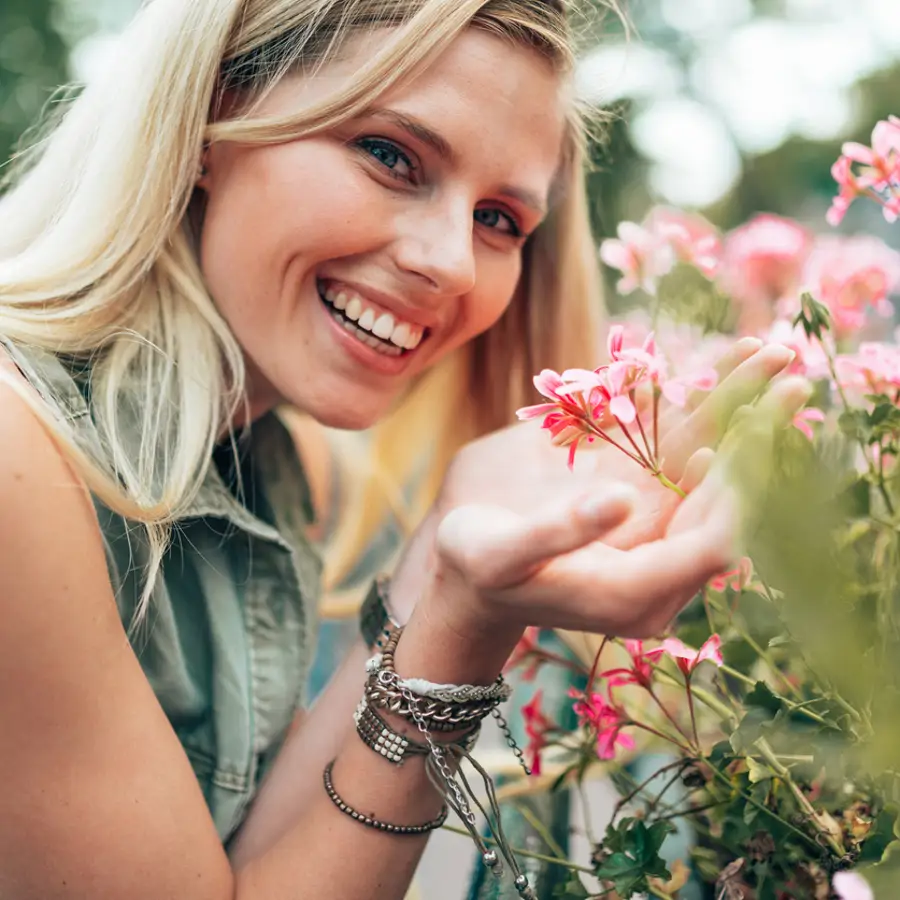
(633, 855)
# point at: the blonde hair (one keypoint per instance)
(98, 238)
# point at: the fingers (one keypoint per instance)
(706, 424)
(696, 469)
(629, 593)
(737, 353)
(494, 548)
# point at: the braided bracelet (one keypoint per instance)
(372, 822)
(382, 693)
(378, 736)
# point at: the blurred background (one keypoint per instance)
(727, 106)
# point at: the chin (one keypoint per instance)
(357, 416)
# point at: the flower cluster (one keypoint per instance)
(586, 404)
(872, 172)
(763, 266)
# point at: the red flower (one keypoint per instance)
(525, 651)
(687, 659)
(597, 714)
(640, 673)
(536, 727)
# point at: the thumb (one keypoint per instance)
(494, 548)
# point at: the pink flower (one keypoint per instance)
(526, 651)
(687, 659)
(692, 239)
(810, 359)
(564, 417)
(639, 255)
(763, 264)
(851, 186)
(803, 419)
(597, 714)
(873, 369)
(737, 579)
(850, 275)
(536, 727)
(851, 886)
(882, 159)
(640, 673)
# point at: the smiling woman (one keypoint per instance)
(369, 210)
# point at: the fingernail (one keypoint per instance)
(750, 343)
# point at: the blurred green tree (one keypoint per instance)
(33, 63)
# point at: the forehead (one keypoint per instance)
(489, 96)
(499, 105)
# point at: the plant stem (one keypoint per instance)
(669, 716)
(784, 774)
(666, 482)
(679, 764)
(556, 861)
(540, 828)
(690, 697)
(646, 462)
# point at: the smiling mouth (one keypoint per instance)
(379, 345)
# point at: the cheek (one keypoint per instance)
(272, 207)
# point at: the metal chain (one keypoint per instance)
(437, 753)
(510, 740)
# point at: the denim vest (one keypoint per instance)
(229, 637)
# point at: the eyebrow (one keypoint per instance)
(445, 151)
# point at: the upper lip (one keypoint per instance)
(403, 312)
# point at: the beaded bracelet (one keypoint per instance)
(378, 736)
(372, 822)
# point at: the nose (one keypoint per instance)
(436, 245)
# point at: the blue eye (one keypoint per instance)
(491, 217)
(390, 156)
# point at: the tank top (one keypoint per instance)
(230, 633)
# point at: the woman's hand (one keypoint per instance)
(519, 469)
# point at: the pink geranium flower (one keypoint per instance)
(852, 275)
(598, 714)
(873, 369)
(852, 886)
(687, 659)
(537, 725)
(639, 255)
(640, 673)
(803, 419)
(692, 239)
(526, 651)
(737, 579)
(810, 359)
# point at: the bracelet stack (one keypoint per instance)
(433, 709)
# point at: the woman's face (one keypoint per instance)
(349, 262)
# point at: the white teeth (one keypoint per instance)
(400, 335)
(354, 309)
(384, 327)
(367, 320)
(379, 331)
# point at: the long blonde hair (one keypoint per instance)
(98, 256)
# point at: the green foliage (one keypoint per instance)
(33, 63)
(631, 855)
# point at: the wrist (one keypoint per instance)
(452, 638)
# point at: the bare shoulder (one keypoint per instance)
(103, 802)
